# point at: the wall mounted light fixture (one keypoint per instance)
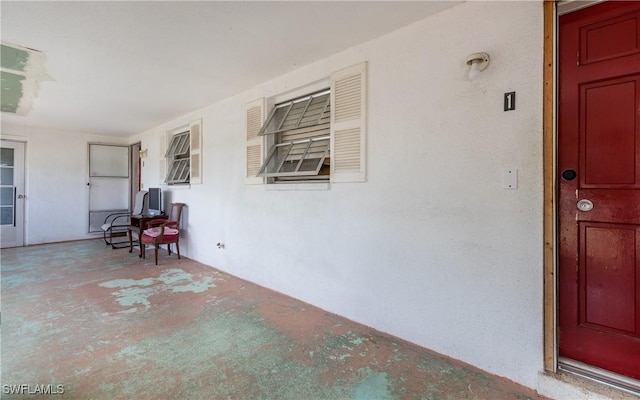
(477, 62)
(143, 153)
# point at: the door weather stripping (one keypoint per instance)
(602, 376)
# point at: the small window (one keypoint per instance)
(178, 159)
(300, 140)
(297, 131)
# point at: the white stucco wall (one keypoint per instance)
(431, 248)
(57, 202)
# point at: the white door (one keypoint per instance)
(12, 194)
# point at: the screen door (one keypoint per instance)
(108, 182)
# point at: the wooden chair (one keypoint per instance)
(163, 231)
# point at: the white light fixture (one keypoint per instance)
(477, 62)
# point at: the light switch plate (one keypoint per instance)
(510, 178)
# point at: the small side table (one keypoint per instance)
(138, 224)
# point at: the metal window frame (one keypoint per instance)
(179, 145)
(289, 104)
(179, 171)
(273, 151)
(177, 156)
(183, 146)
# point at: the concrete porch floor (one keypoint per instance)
(107, 325)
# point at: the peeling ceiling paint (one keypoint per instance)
(21, 72)
(13, 58)
(11, 91)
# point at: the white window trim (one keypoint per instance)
(194, 128)
(350, 129)
(299, 187)
(298, 92)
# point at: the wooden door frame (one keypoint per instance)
(549, 193)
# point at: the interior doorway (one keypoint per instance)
(598, 193)
(12, 193)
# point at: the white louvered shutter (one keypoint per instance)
(348, 124)
(162, 153)
(254, 120)
(195, 152)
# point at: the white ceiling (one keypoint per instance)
(119, 68)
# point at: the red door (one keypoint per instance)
(599, 161)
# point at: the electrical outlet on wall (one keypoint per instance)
(510, 178)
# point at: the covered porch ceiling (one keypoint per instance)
(118, 68)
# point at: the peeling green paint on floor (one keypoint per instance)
(108, 325)
(373, 386)
(139, 291)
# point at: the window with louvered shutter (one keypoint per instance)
(253, 122)
(181, 160)
(301, 127)
(319, 136)
(195, 152)
(348, 124)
